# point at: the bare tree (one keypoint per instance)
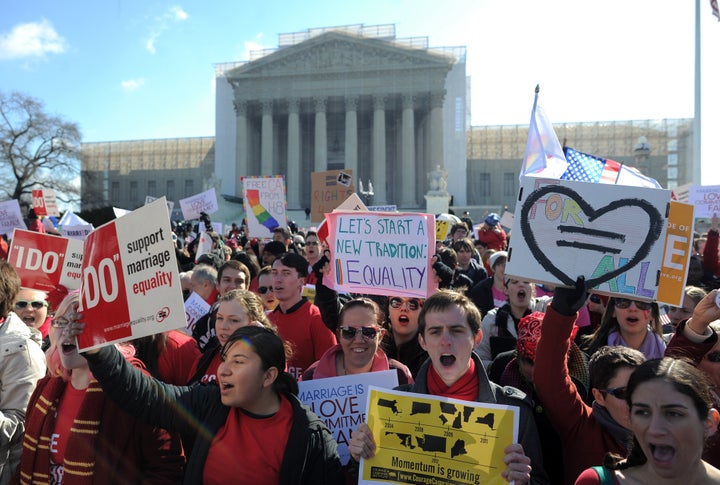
(37, 150)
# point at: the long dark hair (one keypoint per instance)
(684, 377)
(271, 349)
(599, 338)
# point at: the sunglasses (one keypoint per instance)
(264, 289)
(625, 303)
(713, 357)
(312, 243)
(616, 392)
(368, 333)
(36, 304)
(412, 303)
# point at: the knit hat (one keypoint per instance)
(495, 256)
(529, 334)
(492, 219)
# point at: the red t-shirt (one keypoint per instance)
(68, 409)
(211, 372)
(303, 327)
(178, 358)
(262, 441)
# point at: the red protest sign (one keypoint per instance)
(130, 284)
(47, 263)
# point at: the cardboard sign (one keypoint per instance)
(329, 190)
(341, 402)
(265, 204)
(420, 438)
(706, 199)
(613, 235)
(47, 263)
(203, 202)
(195, 308)
(10, 217)
(44, 202)
(676, 257)
(381, 253)
(442, 229)
(130, 282)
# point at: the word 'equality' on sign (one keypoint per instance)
(613, 235)
(381, 253)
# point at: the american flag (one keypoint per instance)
(589, 168)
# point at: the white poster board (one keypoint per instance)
(706, 199)
(265, 205)
(10, 217)
(203, 202)
(613, 235)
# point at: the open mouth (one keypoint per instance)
(403, 320)
(447, 360)
(29, 321)
(662, 454)
(632, 320)
(521, 294)
(68, 348)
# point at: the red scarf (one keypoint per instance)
(465, 388)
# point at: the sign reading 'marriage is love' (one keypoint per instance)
(382, 253)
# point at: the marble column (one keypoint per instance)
(320, 135)
(293, 161)
(378, 151)
(351, 137)
(266, 144)
(436, 130)
(241, 144)
(407, 188)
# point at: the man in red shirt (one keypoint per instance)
(298, 321)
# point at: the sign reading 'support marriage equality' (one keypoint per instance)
(46, 263)
(130, 284)
(341, 402)
(382, 253)
(614, 235)
(429, 439)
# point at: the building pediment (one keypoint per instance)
(340, 52)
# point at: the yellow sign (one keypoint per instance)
(678, 249)
(441, 229)
(428, 439)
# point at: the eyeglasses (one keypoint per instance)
(412, 303)
(60, 322)
(713, 357)
(624, 303)
(312, 243)
(616, 392)
(264, 289)
(368, 333)
(36, 304)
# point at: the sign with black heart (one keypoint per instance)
(613, 235)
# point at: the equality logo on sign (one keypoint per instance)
(592, 230)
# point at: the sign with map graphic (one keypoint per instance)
(429, 439)
(265, 204)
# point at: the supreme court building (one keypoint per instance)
(354, 98)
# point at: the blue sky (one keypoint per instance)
(127, 70)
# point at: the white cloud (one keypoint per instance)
(172, 15)
(34, 39)
(132, 84)
(253, 45)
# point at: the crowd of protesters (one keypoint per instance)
(609, 389)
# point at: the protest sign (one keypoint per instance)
(130, 284)
(120, 212)
(72, 219)
(381, 253)
(682, 193)
(195, 308)
(76, 232)
(264, 201)
(382, 208)
(507, 220)
(442, 229)
(10, 217)
(613, 235)
(421, 438)
(170, 203)
(46, 263)
(676, 257)
(706, 199)
(203, 202)
(329, 189)
(44, 202)
(341, 402)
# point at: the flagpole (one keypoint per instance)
(696, 172)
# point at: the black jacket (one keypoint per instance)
(491, 393)
(310, 454)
